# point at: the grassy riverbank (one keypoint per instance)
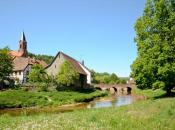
(154, 113)
(21, 98)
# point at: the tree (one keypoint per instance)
(114, 79)
(5, 64)
(48, 59)
(67, 75)
(155, 38)
(37, 74)
(106, 78)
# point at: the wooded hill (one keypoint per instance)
(48, 59)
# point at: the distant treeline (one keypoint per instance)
(107, 78)
(48, 59)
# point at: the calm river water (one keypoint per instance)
(97, 103)
(115, 101)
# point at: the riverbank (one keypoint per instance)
(22, 99)
(153, 113)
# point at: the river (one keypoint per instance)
(97, 103)
(114, 101)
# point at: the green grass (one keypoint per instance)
(151, 114)
(149, 93)
(20, 98)
(153, 94)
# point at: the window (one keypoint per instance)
(55, 66)
(19, 72)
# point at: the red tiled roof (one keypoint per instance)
(43, 63)
(16, 53)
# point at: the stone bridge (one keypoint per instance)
(115, 89)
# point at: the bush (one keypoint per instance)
(67, 75)
(42, 86)
(37, 74)
(158, 85)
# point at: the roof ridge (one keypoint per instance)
(74, 62)
(70, 57)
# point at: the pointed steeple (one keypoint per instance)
(23, 45)
(23, 38)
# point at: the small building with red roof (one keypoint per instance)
(22, 63)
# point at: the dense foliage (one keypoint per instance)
(67, 75)
(48, 59)
(37, 74)
(107, 78)
(155, 38)
(5, 64)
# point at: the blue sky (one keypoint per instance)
(100, 32)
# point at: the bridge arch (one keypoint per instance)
(129, 89)
(115, 89)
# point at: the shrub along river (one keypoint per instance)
(97, 103)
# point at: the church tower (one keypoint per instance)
(23, 46)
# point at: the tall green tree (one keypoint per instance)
(67, 75)
(155, 38)
(113, 78)
(5, 64)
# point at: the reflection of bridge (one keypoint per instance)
(115, 89)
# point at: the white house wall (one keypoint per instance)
(21, 75)
(18, 76)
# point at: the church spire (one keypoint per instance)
(23, 45)
(23, 38)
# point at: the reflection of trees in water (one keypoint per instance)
(124, 100)
(117, 101)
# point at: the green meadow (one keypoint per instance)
(157, 112)
(20, 98)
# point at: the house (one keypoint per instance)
(22, 63)
(54, 68)
(21, 68)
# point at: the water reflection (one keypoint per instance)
(103, 102)
(117, 101)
